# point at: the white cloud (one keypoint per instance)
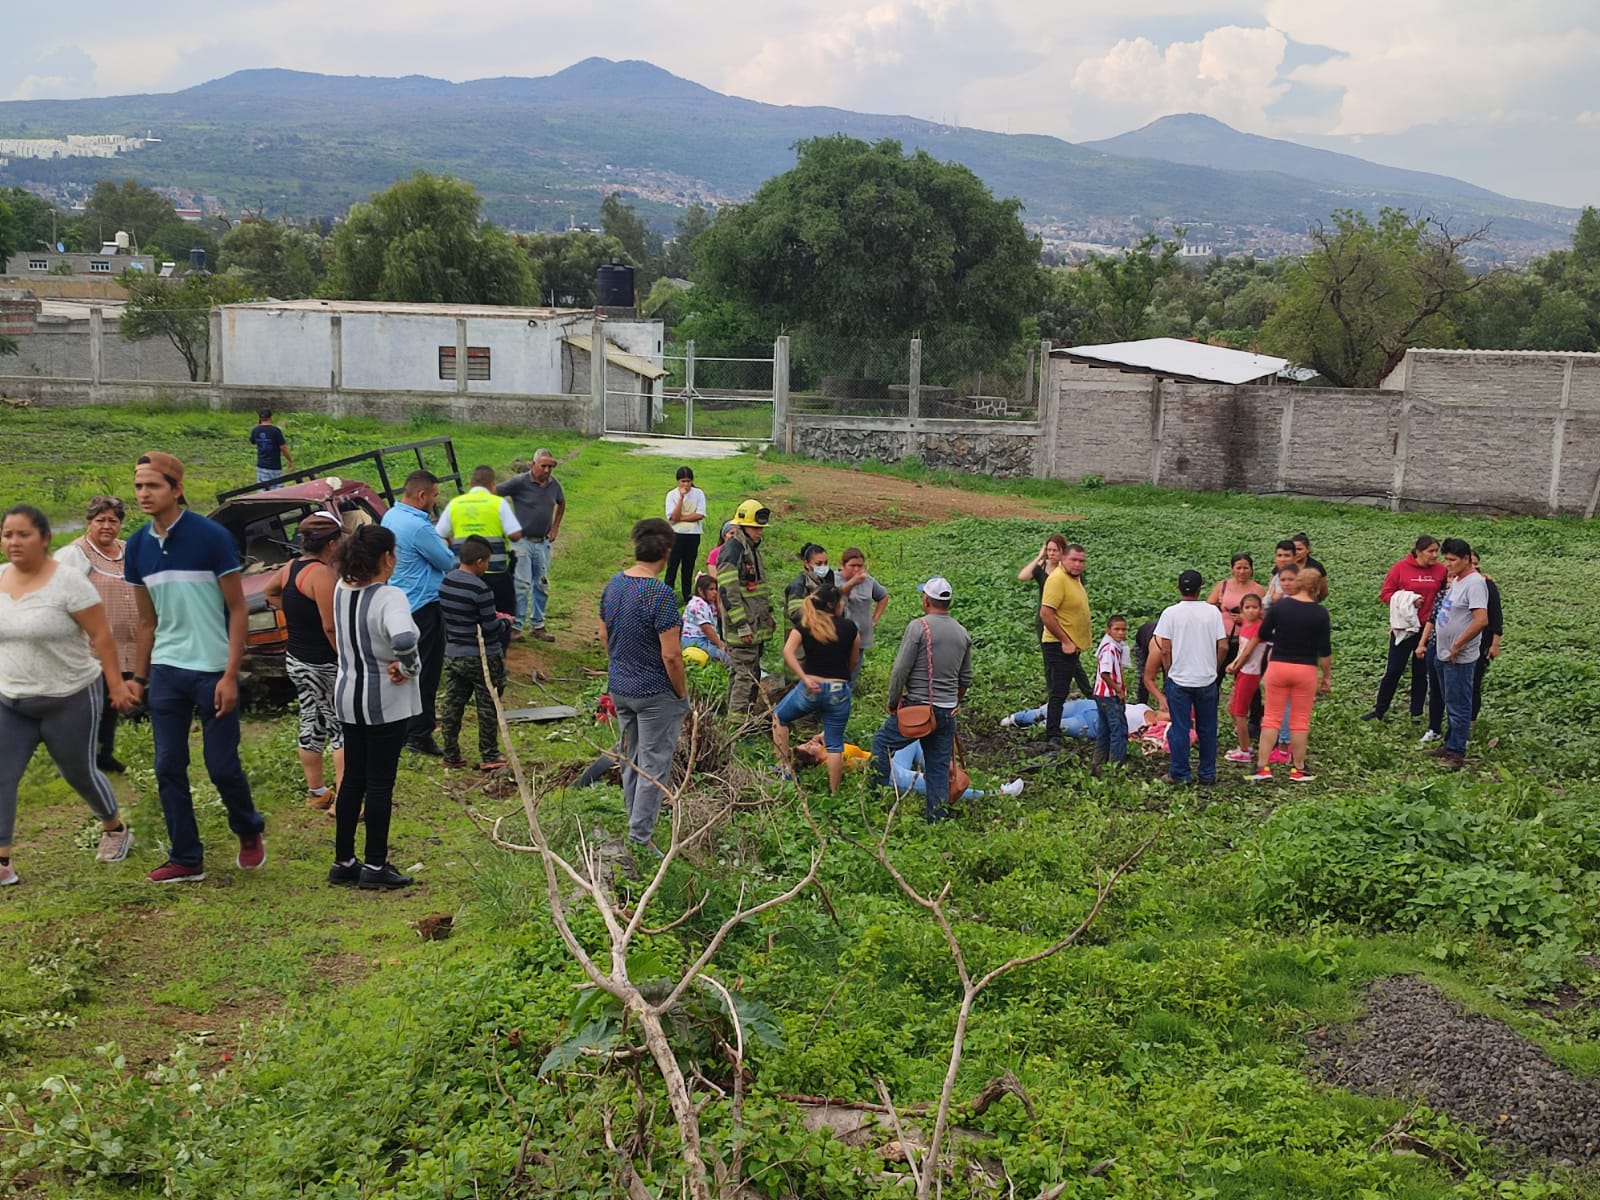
(1232, 73)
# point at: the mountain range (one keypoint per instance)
(543, 151)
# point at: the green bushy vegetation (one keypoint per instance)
(266, 1036)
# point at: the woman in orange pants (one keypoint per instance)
(1302, 664)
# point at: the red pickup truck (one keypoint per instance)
(265, 519)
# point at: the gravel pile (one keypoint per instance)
(1413, 1043)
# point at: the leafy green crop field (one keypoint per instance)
(264, 1035)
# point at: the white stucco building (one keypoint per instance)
(353, 345)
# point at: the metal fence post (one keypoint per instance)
(688, 388)
(597, 371)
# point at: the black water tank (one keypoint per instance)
(197, 258)
(613, 285)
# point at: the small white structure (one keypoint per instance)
(1174, 358)
(376, 346)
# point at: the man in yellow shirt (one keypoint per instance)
(1068, 632)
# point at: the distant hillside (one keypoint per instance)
(544, 151)
(1203, 141)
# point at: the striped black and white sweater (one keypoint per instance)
(373, 628)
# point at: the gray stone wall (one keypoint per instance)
(1005, 450)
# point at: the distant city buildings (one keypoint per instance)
(74, 145)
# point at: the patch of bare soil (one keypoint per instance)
(1412, 1042)
(834, 495)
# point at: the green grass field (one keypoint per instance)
(265, 1035)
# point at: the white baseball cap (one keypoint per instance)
(937, 588)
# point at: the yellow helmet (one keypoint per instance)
(752, 513)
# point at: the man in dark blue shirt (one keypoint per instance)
(272, 448)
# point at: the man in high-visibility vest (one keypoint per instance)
(481, 513)
(746, 604)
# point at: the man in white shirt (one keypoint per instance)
(1193, 644)
(686, 513)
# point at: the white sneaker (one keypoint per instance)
(1014, 788)
(1429, 736)
(1007, 722)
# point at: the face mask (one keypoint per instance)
(820, 570)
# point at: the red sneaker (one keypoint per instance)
(252, 851)
(172, 872)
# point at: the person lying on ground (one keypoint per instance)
(905, 766)
(1081, 718)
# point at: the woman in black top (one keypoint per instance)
(303, 589)
(1038, 569)
(831, 645)
(1301, 636)
(1489, 647)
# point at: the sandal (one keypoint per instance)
(322, 800)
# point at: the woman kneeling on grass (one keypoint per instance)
(55, 649)
(376, 694)
(1301, 635)
(831, 646)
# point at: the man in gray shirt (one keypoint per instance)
(1458, 634)
(538, 504)
(933, 666)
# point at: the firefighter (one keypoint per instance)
(746, 604)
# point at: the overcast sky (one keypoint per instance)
(1496, 92)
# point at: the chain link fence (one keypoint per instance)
(873, 377)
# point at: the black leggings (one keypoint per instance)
(685, 549)
(371, 761)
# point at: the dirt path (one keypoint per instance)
(831, 494)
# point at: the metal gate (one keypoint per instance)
(711, 397)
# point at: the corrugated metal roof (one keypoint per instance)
(618, 357)
(1174, 356)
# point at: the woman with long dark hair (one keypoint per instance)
(376, 695)
(303, 589)
(830, 645)
(100, 554)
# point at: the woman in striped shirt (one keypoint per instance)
(376, 694)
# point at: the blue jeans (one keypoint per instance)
(173, 697)
(1203, 703)
(532, 561)
(937, 749)
(1112, 737)
(714, 653)
(1457, 680)
(832, 703)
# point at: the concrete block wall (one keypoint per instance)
(1514, 431)
(570, 413)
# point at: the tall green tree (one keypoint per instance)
(38, 222)
(564, 264)
(865, 241)
(678, 258)
(423, 241)
(643, 246)
(1367, 292)
(271, 259)
(124, 207)
(10, 233)
(179, 310)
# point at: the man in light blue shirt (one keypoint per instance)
(421, 559)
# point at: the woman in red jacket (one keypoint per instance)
(1421, 573)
